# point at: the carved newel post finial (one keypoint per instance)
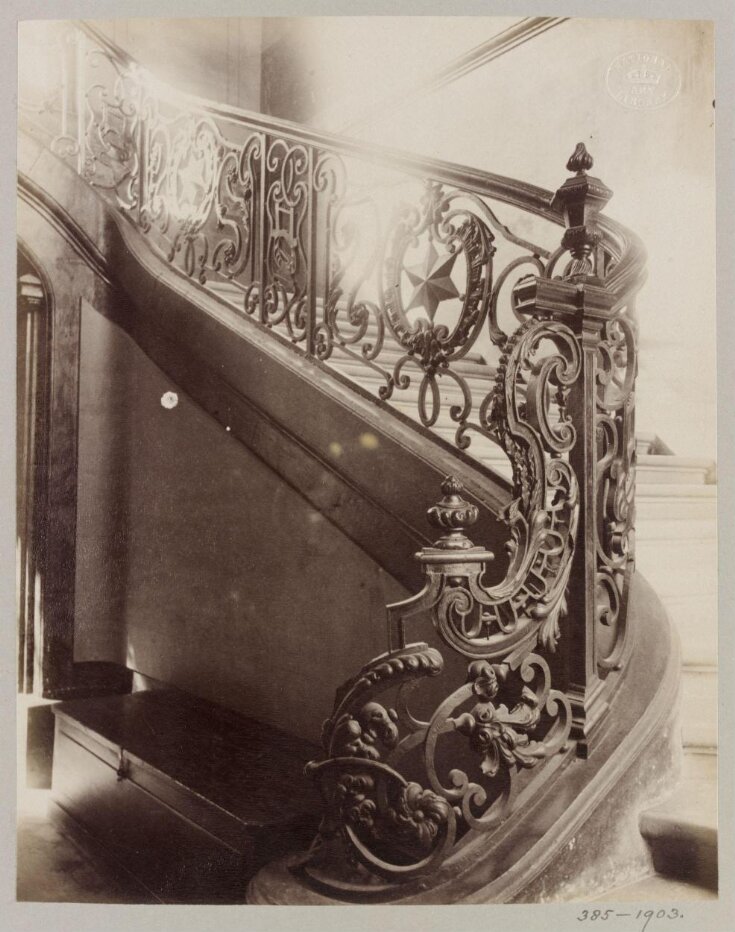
(581, 198)
(453, 514)
(580, 161)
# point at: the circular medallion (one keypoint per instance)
(426, 258)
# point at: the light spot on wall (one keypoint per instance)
(335, 448)
(169, 400)
(369, 441)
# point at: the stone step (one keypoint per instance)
(666, 470)
(676, 569)
(677, 502)
(648, 441)
(699, 707)
(687, 531)
(681, 831)
(695, 618)
(672, 470)
(654, 889)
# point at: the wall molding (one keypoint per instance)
(65, 225)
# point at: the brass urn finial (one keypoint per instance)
(453, 514)
(580, 161)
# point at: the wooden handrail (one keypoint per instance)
(627, 248)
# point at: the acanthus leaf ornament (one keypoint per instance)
(400, 829)
(500, 736)
(511, 717)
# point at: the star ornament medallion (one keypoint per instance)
(432, 280)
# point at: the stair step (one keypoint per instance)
(687, 531)
(681, 831)
(648, 441)
(699, 706)
(672, 470)
(185, 795)
(655, 889)
(675, 569)
(677, 502)
(695, 618)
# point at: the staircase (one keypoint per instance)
(676, 521)
(523, 402)
(676, 549)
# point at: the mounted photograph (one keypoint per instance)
(366, 463)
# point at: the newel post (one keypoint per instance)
(600, 406)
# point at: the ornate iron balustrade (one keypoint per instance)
(404, 266)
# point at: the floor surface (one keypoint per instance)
(51, 869)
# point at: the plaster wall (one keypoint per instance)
(330, 70)
(217, 58)
(235, 589)
(104, 366)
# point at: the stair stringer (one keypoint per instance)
(286, 408)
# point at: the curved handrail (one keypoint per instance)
(625, 245)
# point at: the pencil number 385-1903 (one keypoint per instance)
(644, 915)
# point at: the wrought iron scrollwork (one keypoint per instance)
(438, 235)
(615, 434)
(511, 718)
(410, 277)
(111, 127)
(543, 514)
(369, 804)
(288, 192)
(609, 414)
(506, 713)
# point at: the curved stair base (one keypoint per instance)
(578, 838)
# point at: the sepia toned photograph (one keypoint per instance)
(366, 463)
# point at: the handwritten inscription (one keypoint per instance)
(640, 917)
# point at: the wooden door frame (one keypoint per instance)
(34, 500)
(71, 270)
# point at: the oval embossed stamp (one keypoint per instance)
(643, 80)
